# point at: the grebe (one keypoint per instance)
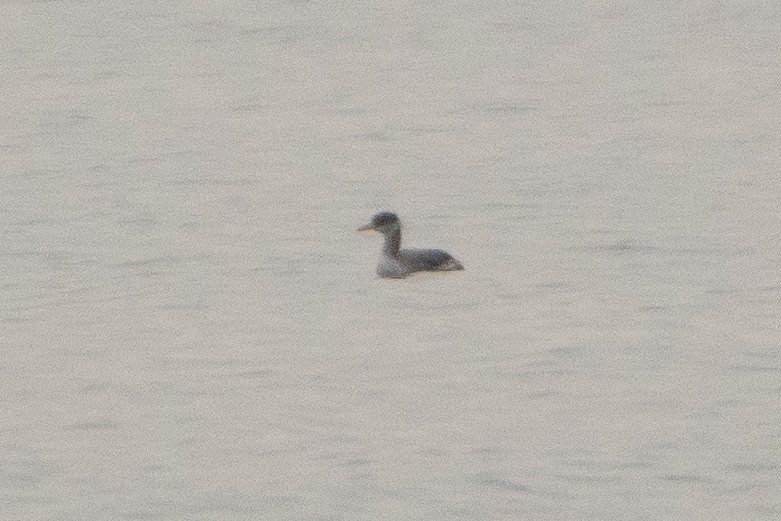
(397, 263)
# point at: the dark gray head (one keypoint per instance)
(383, 222)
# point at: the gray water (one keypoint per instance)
(191, 328)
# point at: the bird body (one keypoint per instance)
(398, 263)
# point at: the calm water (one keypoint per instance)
(192, 329)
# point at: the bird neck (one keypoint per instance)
(392, 242)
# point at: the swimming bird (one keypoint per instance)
(397, 263)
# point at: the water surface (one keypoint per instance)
(192, 329)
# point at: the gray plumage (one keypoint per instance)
(397, 263)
